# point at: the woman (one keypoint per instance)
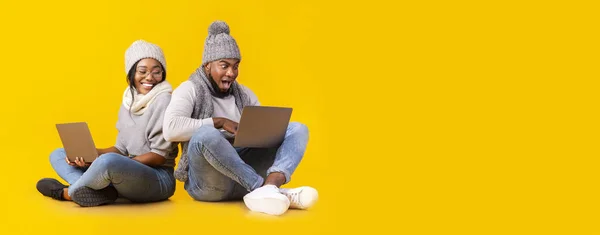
(140, 165)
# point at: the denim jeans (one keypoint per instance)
(132, 179)
(219, 172)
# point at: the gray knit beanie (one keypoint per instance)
(219, 44)
(141, 49)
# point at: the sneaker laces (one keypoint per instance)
(57, 194)
(294, 197)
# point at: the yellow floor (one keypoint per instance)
(26, 211)
(36, 214)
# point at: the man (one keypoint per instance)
(204, 112)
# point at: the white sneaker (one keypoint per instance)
(267, 199)
(301, 197)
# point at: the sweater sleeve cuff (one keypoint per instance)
(208, 122)
(159, 152)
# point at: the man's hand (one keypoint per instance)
(226, 124)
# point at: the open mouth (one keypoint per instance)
(226, 84)
(147, 86)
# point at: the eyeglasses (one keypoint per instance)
(155, 74)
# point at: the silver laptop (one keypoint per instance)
(77, 141)
(262, 126)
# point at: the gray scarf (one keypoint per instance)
(203, 108)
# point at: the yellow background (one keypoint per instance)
(441, 117)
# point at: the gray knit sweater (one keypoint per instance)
(142, 134)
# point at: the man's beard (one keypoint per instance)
(217, 90)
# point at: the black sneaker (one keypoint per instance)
(85, 196)
(51, 188)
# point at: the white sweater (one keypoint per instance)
(178, 126)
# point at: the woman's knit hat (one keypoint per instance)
(141, 49)
(219, 44)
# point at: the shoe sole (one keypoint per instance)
(87, 197)
(271, 206)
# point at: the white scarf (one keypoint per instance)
(141, 102)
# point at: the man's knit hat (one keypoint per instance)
(219, 44)
(141, 49)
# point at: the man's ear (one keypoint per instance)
(207, 67)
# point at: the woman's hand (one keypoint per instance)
(79, 162)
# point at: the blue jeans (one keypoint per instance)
(219, 172)
(132, 179)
